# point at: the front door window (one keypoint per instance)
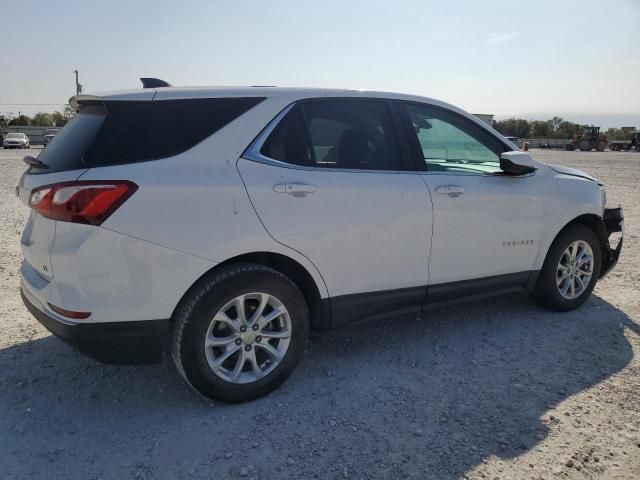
(450, 143)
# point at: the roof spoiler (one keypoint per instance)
(148, 82)
(76, 100)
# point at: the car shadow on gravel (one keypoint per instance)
(409, 397)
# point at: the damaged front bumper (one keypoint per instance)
(613, 221)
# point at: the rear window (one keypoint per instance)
(119, 132)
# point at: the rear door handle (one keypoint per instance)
(450, 190)
(294, 189)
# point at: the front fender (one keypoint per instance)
(566, 199)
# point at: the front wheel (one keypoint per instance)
(570, 271)
(240, 333)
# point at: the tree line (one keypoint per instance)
(555, 128)
(44, 119)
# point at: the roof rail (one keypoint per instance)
(148, 82)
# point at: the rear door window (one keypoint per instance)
(336, 133)
(120, 132)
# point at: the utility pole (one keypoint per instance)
(78, 86)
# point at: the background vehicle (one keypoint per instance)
(49, 133)
(16, 140)
(589, 139)
(519, 142)
(250, 215)
(516, 140)
(633, 142)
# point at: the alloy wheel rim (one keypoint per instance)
(574, 270)
(248, 338)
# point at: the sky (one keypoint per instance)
(576, 59)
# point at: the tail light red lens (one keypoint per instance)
(89, 202)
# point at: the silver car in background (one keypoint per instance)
(16, 140)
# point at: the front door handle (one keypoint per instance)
(450, 190)
(294, 189)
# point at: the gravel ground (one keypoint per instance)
(490, 389)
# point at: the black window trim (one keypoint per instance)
(253, 153)
(412, 139)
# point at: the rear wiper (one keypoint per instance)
(34, 162)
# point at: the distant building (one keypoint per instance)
(485, 117)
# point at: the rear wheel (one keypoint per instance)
(240, 333)
(570, 271)
(585, 146)
(601, 146)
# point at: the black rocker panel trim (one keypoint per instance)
(451, 291)
(348, 309)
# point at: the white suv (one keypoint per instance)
(223, 223)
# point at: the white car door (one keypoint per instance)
(327, 178)
(487, 224)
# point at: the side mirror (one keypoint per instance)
(517, 163)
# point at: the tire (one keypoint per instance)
(585, 146)
(601, 146)
(547, 291)
(193, 321)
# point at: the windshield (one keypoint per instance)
(15, 135)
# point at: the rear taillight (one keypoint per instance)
(89, 202)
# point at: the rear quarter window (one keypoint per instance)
(121, 132)
(65, 151)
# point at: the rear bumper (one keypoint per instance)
(134, 342)
(613, 220)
